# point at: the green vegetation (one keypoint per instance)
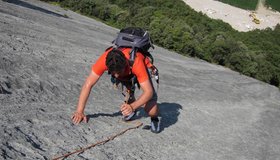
(174, 25)
(252, 4)
(247, 4)
(274, 4)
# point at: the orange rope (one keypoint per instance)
(139, 124)
(100, 142)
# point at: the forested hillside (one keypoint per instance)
(175, 26)
(248, 4)
(274, 4)
(252, 4)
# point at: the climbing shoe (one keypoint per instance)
(155, 125)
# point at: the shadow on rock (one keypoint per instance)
(116, 114)
(30, 6)
(169, 113)
(4, 91)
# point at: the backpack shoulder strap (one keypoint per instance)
(132, 56)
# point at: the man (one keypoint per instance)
(116, 61)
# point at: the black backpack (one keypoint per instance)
(137, 39)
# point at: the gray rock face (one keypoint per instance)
(207, 111)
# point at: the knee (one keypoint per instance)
(152, 110)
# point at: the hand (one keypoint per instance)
(126, 109)
(78, 117)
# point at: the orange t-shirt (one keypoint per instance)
(148, 62)
(138, 68)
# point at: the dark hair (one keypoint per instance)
(115, 61)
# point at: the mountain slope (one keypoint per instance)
(207, 111)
